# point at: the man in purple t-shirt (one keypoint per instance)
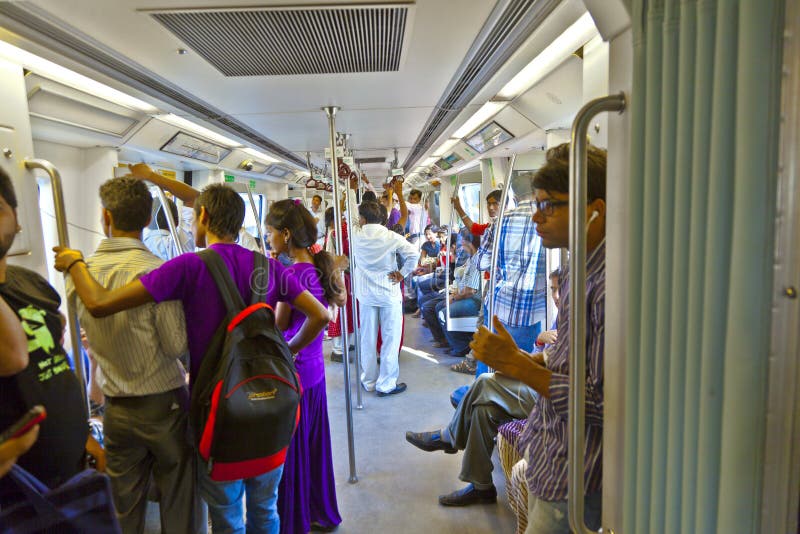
(219, 213)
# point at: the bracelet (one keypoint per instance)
(71, 265)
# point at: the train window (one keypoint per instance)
(470, 195)
(250, 221)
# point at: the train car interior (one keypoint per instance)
(677, 398)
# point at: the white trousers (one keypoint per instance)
(389, 319)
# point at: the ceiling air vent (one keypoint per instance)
(283, 41)
(364, 161)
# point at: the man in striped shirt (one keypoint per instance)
(140, 373)
(546, 432)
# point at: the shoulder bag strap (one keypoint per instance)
(222, 278)
(259, 280)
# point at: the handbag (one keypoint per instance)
(81, 504)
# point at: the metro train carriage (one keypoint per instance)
(555, 240)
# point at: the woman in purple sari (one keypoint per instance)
(307, 492)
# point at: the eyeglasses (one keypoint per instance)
(548, 207)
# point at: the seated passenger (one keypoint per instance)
(160, 241)
(377, 289)
(546, 430)
(143, 381)
(307, 492)
(491, 401)
(34, 368)
(219, 213)
(464, 302)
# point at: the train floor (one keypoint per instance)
(398, 485)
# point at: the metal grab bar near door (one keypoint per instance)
(259, 222)
(330, 111)
(63, 241)
(577, 300)
(173, 229)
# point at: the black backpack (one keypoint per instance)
(246, 396)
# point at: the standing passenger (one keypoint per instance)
(219, 213)
(377, 279)
(37, 372)
(307, 493)
(140, 375)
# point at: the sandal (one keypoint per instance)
(467, 367)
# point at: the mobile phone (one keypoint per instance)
(33, 417)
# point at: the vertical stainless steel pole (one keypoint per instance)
(447, 256)
(577, 303)
(496, 241)
(63, 241)
(257, 217)
(330, 111)
(356, 326)
(173, 230)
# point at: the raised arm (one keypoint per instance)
(14, 349)
(183, 191)
(461, 213)
(99, 301)
(398, 189)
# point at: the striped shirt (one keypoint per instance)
(161, 244)
(136, 350)
(471, 277)
(521, 282)
(546, 433)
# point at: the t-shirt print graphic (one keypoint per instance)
(39, 337)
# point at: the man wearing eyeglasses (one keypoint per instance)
(545, 435)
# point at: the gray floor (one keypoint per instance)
(398, 485)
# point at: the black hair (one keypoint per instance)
(225, 209)
(288, 215)
(161, 219)
(129, 202)
(554, 174)
(369, 196)
(371, 211)
(329, 217)
(415, 192)
(429, 227)
(495, 195)
(556, 273)
(7, 189)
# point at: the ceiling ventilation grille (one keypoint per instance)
(35, 24)
(292, 41)
(509, 25)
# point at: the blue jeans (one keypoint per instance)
(459, 341)
(524, 337)
(428, 285)
(225, 503)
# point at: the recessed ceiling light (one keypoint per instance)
(182, 51)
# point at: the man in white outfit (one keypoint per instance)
(377, 278)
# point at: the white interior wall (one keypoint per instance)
(595, 85)
(82, 173)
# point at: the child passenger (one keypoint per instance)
(219, 213)
(307, 492)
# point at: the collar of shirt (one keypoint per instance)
(119, 244)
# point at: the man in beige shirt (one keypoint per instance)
(140, 373)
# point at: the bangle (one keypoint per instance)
(71, 265)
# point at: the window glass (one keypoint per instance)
(250, 220)
(470, 195)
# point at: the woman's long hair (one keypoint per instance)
(287, 215)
